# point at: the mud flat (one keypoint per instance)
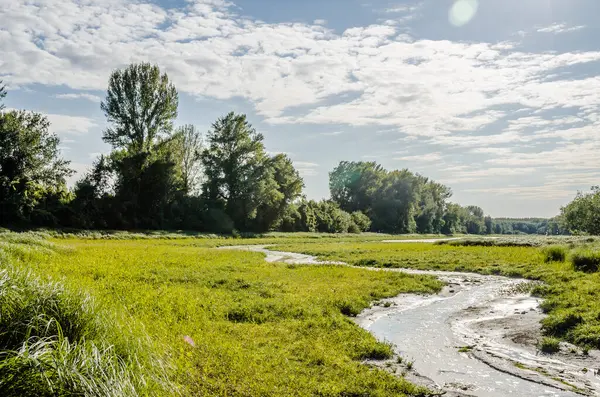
(477, 337)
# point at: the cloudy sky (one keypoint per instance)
(499, 99)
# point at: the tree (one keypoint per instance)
(355, 185)
(141, 104)
(282, 185)
(582, 215)
(235, 163)
(30, 166)
(188, 144)
(362, 222)
(489, 225)
(395, 205)
(429, 215)
(2, 94)
(474, 220)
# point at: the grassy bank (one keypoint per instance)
(572, 297)
(229, 323)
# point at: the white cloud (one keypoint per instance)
(62, 124)
(423, 158)
(89, 97)
(559, 28)
(454, 95)
(320, 22)
(473, 173)
(332, 133)
(306, 168)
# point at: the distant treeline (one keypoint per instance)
(542, 226)
(161, 177)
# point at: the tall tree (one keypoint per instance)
(235, 163)
(355, 185)
(188, 145)
(284, 187)
(30, 164)
(141, 104)
(582, 215)
(395, 206)
(2, 94)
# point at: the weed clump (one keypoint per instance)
(549, 345)
(554, 253)
(586, 260)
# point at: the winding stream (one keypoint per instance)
(496, 326)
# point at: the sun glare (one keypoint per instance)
(462, 12)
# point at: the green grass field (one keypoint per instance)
(174, 315)
(258, 329)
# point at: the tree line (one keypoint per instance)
(158, 176)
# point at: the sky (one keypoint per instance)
(498, 99)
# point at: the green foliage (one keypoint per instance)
(362, 221)
(2, 94)
(400, 201)
(554, 253)
(141, 104)
(258, 328)
(582, 215)
(549, 345)
(58, 342)
(188, 146)
(32, 175)
(551, 227)
(586, 259)
(235, 164)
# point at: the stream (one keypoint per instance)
(476, 338)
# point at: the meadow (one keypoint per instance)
(155, 316)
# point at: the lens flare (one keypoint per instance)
(462, 12)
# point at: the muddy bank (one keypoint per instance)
(477, 337)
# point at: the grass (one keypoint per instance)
(226, 322)
(56, 342)
(571, 298)
(549, 345)
(586, 260)
(555, 253)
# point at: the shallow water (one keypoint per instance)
(428, 333)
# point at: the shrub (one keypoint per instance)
(586, 260)
(549, 345)
(554, 253)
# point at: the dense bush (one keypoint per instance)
(586, 260)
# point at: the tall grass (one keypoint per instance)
(554, 253)
(56, 342)
(586, 260)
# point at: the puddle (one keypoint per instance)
(499, 326)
